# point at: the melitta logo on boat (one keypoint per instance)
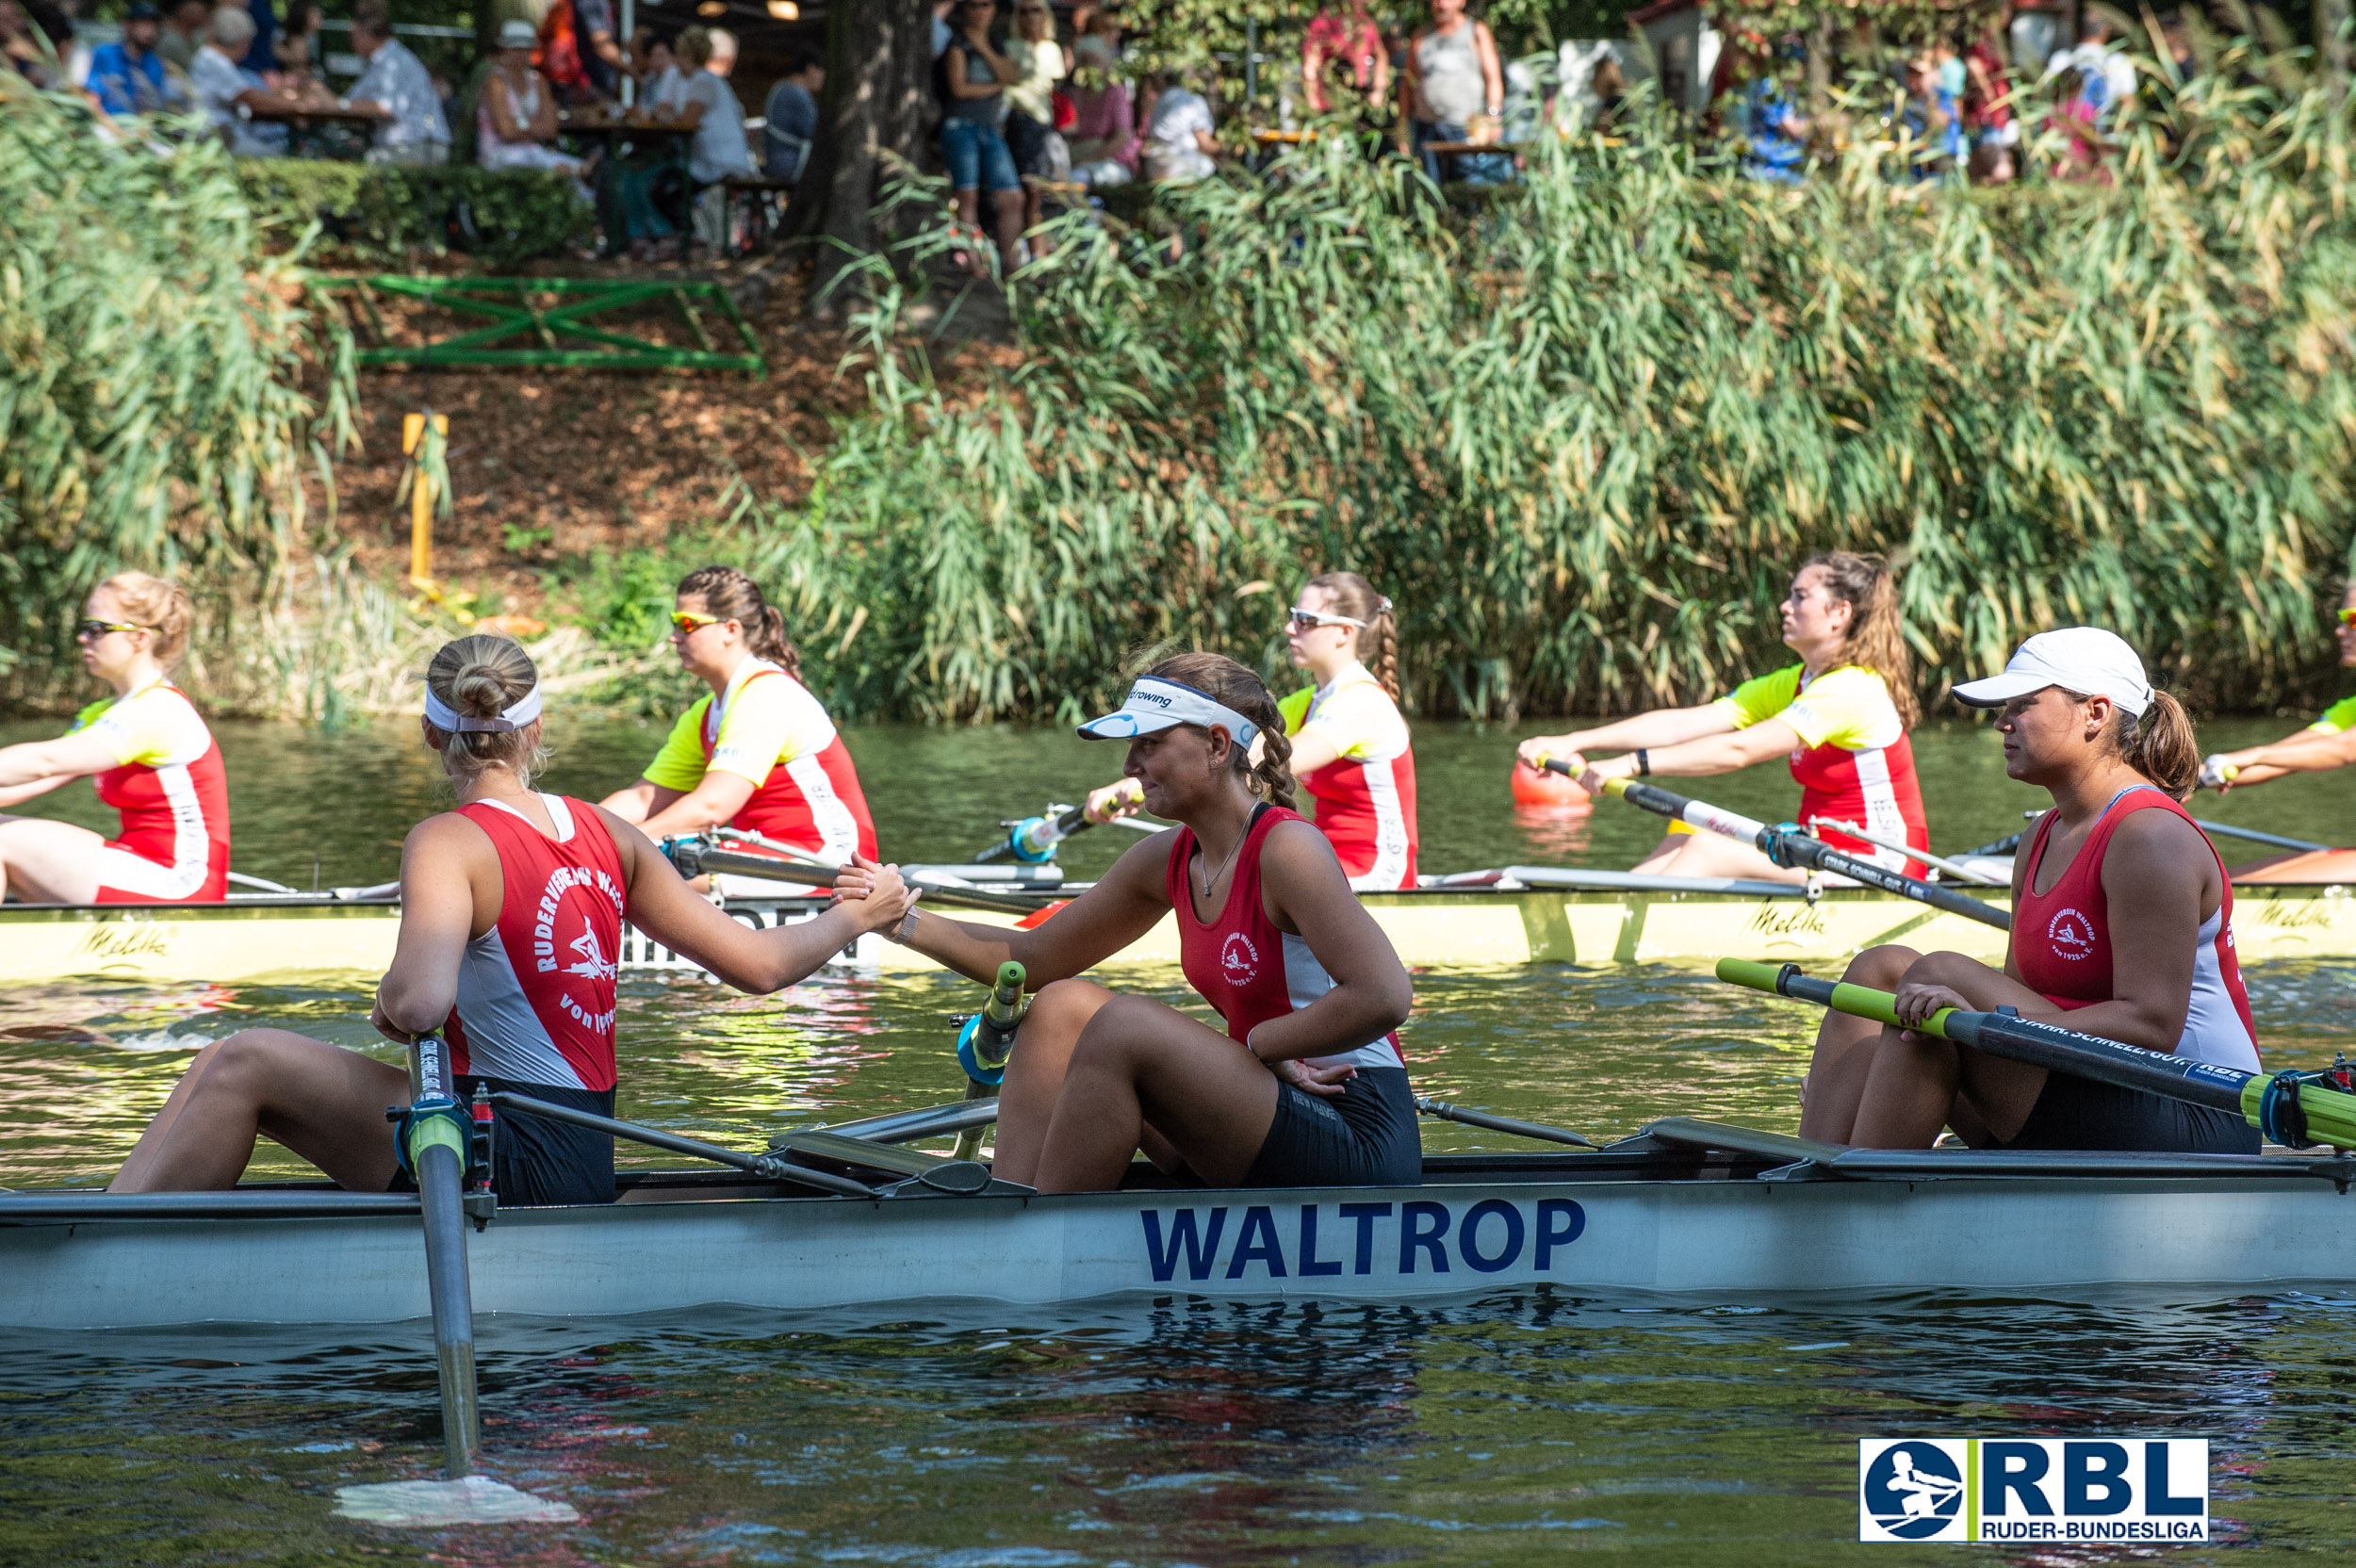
(2072, 933)
(1239, 959)
(2085, 1491)
(1380, 1239)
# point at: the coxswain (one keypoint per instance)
(760, 753)
(2123, 927)
(2327, 745)
(1306, 1086)
(150, 755)
(1840, 715)
(1350, 749)
(511, 926)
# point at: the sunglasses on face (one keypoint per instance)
(92, 630)
(1309, 620)
(687, 620)
(2347, 617)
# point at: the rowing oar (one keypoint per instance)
(2296, 1109)
(436, 1133)
(1538, 1130)
(1786, 845)
(984, 1044)
(695, 858)
(1031, 840)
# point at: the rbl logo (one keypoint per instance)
(2072, 933)
(2083, 1491)
(1238, 960)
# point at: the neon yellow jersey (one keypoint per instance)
(155, 726)
(1366, 797)
(763, 724)
(1849, 708)
(2339, 716)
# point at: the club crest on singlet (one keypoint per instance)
(2072, 933)
(593, 964)
(1238, 960)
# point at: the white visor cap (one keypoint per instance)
(2081, 658)
(1154, 705)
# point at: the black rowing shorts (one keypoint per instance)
(537, 1161)
(1367, 1138)
(2079, 1113)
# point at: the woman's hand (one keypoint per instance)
(1596, 774)
(1916, 1002)
(385, 1026)
(1123, 797)
(1325, 1081)
(1534, 753)
(879, 897)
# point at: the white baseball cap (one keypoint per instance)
(515, 33)
(1154, 705)
(2081, 658)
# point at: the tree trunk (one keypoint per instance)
(879, 102)
(2332, 47)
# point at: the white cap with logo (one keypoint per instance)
(1156, 705)
(2081, 658)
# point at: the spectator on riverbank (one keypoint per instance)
(1348, 43)
(128, 77)
(183, 34)
(2106, 78)
(1031, 135)
(973, 138)
(1453, 89)
(662, 85)
(1931, 121)
(397, 85)
(792, 113)
(1181, 135)
(1104, 136)
(515, 117)
(2073, 120)
(1775, 135)
(1988, 120)
(229, 94)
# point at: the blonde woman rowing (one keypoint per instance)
(2323, 746)
(511, 921)
(1839, 717)
(150, 755)
(1350, 749)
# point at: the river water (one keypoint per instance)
(1481, 1430)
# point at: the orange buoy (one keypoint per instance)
(1539, 787)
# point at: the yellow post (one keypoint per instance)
(420, 498)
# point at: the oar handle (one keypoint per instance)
(2326, 1115)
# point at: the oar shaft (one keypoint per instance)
(769, 1166)
(2330, 1116)
(1536, 1130)
(695, 859)
(2216, 829)
(1786, 846)
(436, 1157)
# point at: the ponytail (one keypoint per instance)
(2161, 746)
(1876, 640)
(733, 597)
(1377, 646)
(1220, 678)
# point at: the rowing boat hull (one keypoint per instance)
(2074, 1238)
(242, 941)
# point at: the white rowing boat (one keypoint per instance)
(1686, 1209)
(1520, 915)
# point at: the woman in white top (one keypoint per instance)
(1180, 140)
(516, 124)
(1030, 128)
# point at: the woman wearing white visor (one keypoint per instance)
(1306, 1087)
(2123, 927)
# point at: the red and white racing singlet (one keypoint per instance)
(768, 729)
(173, 791)
(2061, 941)
(536, 991)
(1366, 797)
(1241, 964)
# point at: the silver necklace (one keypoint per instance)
(1223, 864)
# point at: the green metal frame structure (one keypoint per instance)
(552, 337)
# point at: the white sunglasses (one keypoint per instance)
(1307, 620)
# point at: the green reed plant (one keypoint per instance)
(152, 406)
(1581, 435)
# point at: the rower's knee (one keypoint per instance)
(1060, 1010)
(1881, 968)
(1120, 1027)
(245, 1062)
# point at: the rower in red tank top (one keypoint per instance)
(511, 928)
(759, 753)
(2122, 928)
(1305, 1085)
(1350, 749)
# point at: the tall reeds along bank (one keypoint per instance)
(152, 406)
(1582, 434)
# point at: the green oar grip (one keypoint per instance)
(1841, 997)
